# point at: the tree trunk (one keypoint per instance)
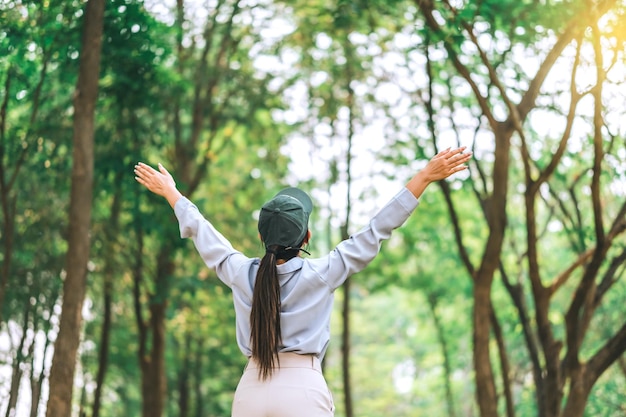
(17, 368)
(496, 209)
(183, 378)
(153, 384)
(505, 365)
(345, 337)
(103, 354)
(346, 345)
(432, 303)
(578, 395)
(109, 272)
(197, 369)
(152, 362)
(556, 371)
(345, 350)
(36, 382)
(66, 346)
(485, 385)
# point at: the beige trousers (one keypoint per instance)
(296, 389)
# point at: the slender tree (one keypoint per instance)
(68, 339)
(217, 104)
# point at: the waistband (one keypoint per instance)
(291, 360)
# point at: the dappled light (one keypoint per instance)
(128, 126)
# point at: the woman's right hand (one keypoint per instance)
(159, 182)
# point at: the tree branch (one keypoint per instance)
(493, 77)
(565, 275)
(505, 364)
(445, 187)
(427, 7)
(611, 276)
(516, 293)
(571, 116)
(612, 350)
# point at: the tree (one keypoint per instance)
(564, 369)
(329, 44)
(218, 104)
(38, 45)
(538, 225)
(66, 345)
(26, 102)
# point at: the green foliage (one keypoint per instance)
(413, 304)
(397, 361)
(35, 153)
(608, 398)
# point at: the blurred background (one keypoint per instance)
(503, 295)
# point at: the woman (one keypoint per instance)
(283, 302)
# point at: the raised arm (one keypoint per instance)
(215, 250)
(441, 166)
(159, 182)
(355, 253)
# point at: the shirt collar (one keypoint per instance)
(290, 266)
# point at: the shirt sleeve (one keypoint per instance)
(356, 252)
(216, 251)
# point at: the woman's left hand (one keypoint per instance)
(446, 163)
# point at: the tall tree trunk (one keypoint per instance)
(486, 395)
(346, 342)
(432, 303)
(74, 287)
(153, 384)
(152, 362)
(183, 377)
(197, 370)
(109, 273)
(505, 365)
(485, 385)
(103, 353)
(345, 349)
(346, 345)
(496, 208)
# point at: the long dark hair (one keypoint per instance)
(265, 336)
(265, 315)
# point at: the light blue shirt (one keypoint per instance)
(307, 285)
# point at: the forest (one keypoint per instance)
(502, 296)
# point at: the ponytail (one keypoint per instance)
(265, 336)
